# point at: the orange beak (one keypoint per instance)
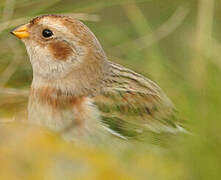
(21, 32)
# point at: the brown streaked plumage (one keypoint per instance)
(78, 92)
(55, 98)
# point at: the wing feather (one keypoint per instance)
(131, 104)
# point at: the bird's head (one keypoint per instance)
(63, 49)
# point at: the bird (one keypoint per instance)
(78, 92)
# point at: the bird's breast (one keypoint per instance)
(74, 117)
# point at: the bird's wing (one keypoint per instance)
(131, 104)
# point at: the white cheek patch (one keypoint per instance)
(46, 66)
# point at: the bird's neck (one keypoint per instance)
(87, 80)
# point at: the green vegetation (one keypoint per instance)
(174, 42)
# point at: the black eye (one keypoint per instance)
(47, 33)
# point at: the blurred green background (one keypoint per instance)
(176, 43)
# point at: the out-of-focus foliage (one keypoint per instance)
(174, 42)
(32, 153)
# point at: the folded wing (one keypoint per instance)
(133, 105)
